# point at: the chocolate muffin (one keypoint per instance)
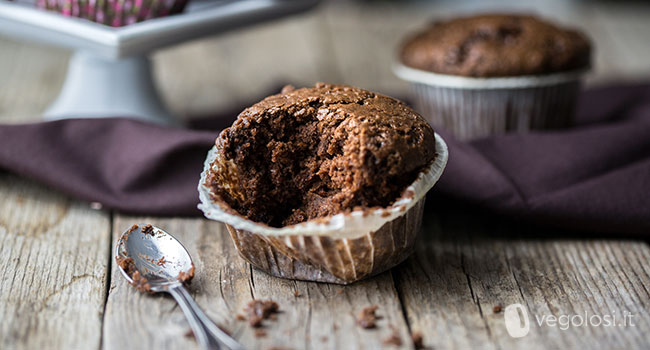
(314, 152)
(492, 74)
(496, 45)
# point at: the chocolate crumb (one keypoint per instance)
(296, 293)
(189, 333)
(186, 276)
(140, 282)
(259, 310)
(255, 321)
(240, 317)
(259, 333)
(133, 228)
(367, 318)
(287, 89)
(340, 291)
(335, 326)
(394, 338)
(147, 230)
(125, 237)
(418, 341)
(496, 309)
(161, 261)
(126, 263)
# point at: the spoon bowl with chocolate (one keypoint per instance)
(154, 261)
(324, 183)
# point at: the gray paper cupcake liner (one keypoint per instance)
(472, 108)
(333, 260)
(342, 248)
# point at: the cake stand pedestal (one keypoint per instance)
(109, 74)
(97, 87)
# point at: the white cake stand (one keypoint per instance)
(110, 73)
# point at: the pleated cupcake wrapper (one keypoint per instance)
(115, 13)
(477, 107)
(342, 248)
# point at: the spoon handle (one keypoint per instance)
(187, 304)
(207, 333)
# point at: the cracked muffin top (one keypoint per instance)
(314, 152)
(495, 45)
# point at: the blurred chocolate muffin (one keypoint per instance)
(492, 74)
(314, 152)
(496, 45)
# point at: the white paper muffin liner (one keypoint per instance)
(342, 248)
(477, 107)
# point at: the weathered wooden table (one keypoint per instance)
(60, 289)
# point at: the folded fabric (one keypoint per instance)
(595, 176)
(123, 164)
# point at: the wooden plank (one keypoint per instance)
(467, 267)
(320, 316)
(324, 316)
(53, 268)
(448, 289)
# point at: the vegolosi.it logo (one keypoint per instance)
(517, 320)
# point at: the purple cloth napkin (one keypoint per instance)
(123, 164)
(595, 176)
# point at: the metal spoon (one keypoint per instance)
(152, 260)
